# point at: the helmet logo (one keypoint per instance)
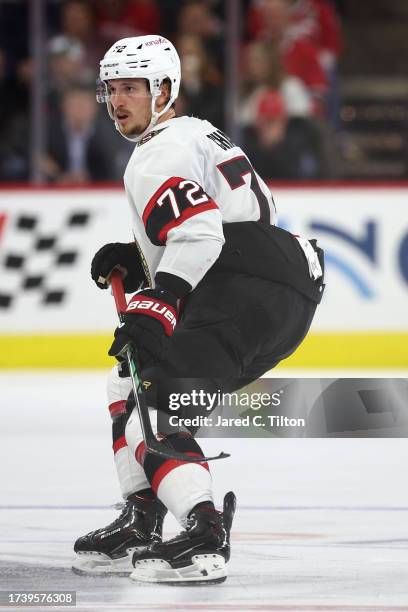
(119, 48)
(156, 41)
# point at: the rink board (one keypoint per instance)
(51, 314)
(318, 351)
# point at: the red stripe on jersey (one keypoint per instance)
(118, 444)
(140, 453)
(170, 465)
(186, 214)
(171, 182)
(117, 408)
(3, 219)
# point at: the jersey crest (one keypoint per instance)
(149, 136)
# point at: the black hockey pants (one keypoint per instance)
(233, 329)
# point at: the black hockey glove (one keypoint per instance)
(118, 255)
(149, 321)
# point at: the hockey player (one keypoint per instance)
(226, 295)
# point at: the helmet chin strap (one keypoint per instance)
(154, 119)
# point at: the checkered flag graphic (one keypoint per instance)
(31, 261)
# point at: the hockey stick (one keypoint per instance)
(151, 442)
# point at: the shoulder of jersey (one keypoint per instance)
(180, 130)
(175, 141)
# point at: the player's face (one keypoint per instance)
(131, 103)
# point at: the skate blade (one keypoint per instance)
(205, 570)
(99, 564)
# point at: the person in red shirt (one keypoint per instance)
(270, 21)
(309, 24)
(316, 21)
(300, 59)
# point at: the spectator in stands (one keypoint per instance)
(80, 141)
(66, 66)
(202, 94)
(280, 147)
(317, 21)
(263, 69)
(196, 18)
(299, 56)
(121, 18)
(78, 25)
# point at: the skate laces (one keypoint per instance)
(208, 516)
(118, 506)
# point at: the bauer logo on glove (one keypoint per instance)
(148, 322)
(157, 309)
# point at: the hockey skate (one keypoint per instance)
(197, 556)
(109, 550)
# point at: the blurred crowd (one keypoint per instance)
(288, 98)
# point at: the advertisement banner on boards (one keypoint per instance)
(48, 239)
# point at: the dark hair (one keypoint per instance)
(167, 82)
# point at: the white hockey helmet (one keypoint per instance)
(150, 57)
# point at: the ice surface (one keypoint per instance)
(321, 524)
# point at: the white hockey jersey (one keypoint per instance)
(185, 179)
